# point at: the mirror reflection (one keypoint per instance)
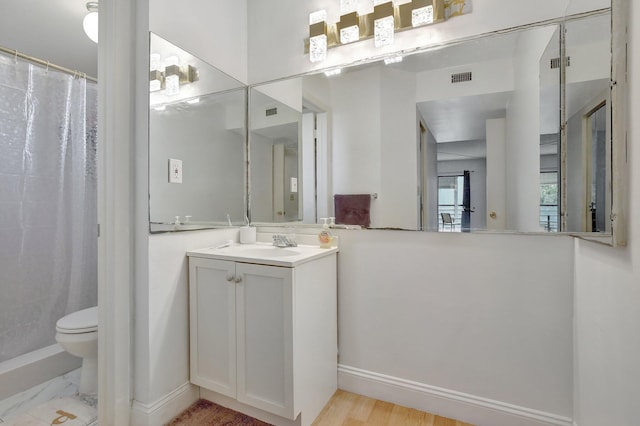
(197, 143)
(462, 138)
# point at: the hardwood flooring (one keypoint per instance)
(349, 409)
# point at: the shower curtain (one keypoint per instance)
(48, 213)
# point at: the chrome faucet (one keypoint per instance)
(280, 240)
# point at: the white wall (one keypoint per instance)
(212, 157)
(496, 174)
(276, 38)
(214, 31)
(486, 315)
(356, 136)
(523, 129)
(607, 295)
(398, 197)
(161, 310)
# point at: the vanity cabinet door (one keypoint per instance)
(264, 315)
(213, 324)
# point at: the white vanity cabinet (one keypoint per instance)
(265, 335)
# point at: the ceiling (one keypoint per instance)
(50, 30)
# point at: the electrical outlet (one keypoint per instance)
(294, 184)
(175, 171)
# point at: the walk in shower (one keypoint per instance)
(48, 214)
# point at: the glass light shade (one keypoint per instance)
(155, 85)
(154, 62)
(171, 60)
(383, 31)
(348, 6)
(350, 34)
(422, 16)
(318, 48)
(172, 85)
(90, 25)
(317, 16)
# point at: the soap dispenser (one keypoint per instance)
(325, 236)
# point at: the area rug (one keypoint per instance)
(205, 413)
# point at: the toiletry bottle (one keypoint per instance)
(325, 236)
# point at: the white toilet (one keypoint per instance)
(77, 333)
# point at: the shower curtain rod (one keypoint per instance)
(46, 64)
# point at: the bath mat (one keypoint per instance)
(62, 411)
(205, 413)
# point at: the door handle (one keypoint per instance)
(230, 277)
(238, 279)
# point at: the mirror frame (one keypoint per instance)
(618, 88)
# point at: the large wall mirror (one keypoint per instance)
(197, 142)
(466, 137)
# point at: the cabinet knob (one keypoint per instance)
(238, 279)
(230, 277)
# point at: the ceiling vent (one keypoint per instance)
(555, 62)
(461, 77)
(271, 111)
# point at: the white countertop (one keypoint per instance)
(264, 254)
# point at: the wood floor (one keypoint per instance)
(349, 409)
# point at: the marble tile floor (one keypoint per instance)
(55, 399)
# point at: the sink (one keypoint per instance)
(268, 251)
(262, 253)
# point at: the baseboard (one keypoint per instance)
(166, 408)
(461, 406)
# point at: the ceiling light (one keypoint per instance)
(90, 22)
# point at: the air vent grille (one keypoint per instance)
(461, 77)
(271, 111)
(555, 62)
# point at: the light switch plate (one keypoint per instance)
(294, 184)
(175, 171)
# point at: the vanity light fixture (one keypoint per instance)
(349, 24)
(318, 36)
(383, 22)
(170, 76)
(90, 22)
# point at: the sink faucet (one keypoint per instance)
(280, 240)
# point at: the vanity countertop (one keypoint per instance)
(264, 254)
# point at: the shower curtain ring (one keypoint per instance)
(47, 69)
(16, 57)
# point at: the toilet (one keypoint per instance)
(77, 333)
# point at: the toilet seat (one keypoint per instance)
(84, 321)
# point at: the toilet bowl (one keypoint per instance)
(77, 333)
